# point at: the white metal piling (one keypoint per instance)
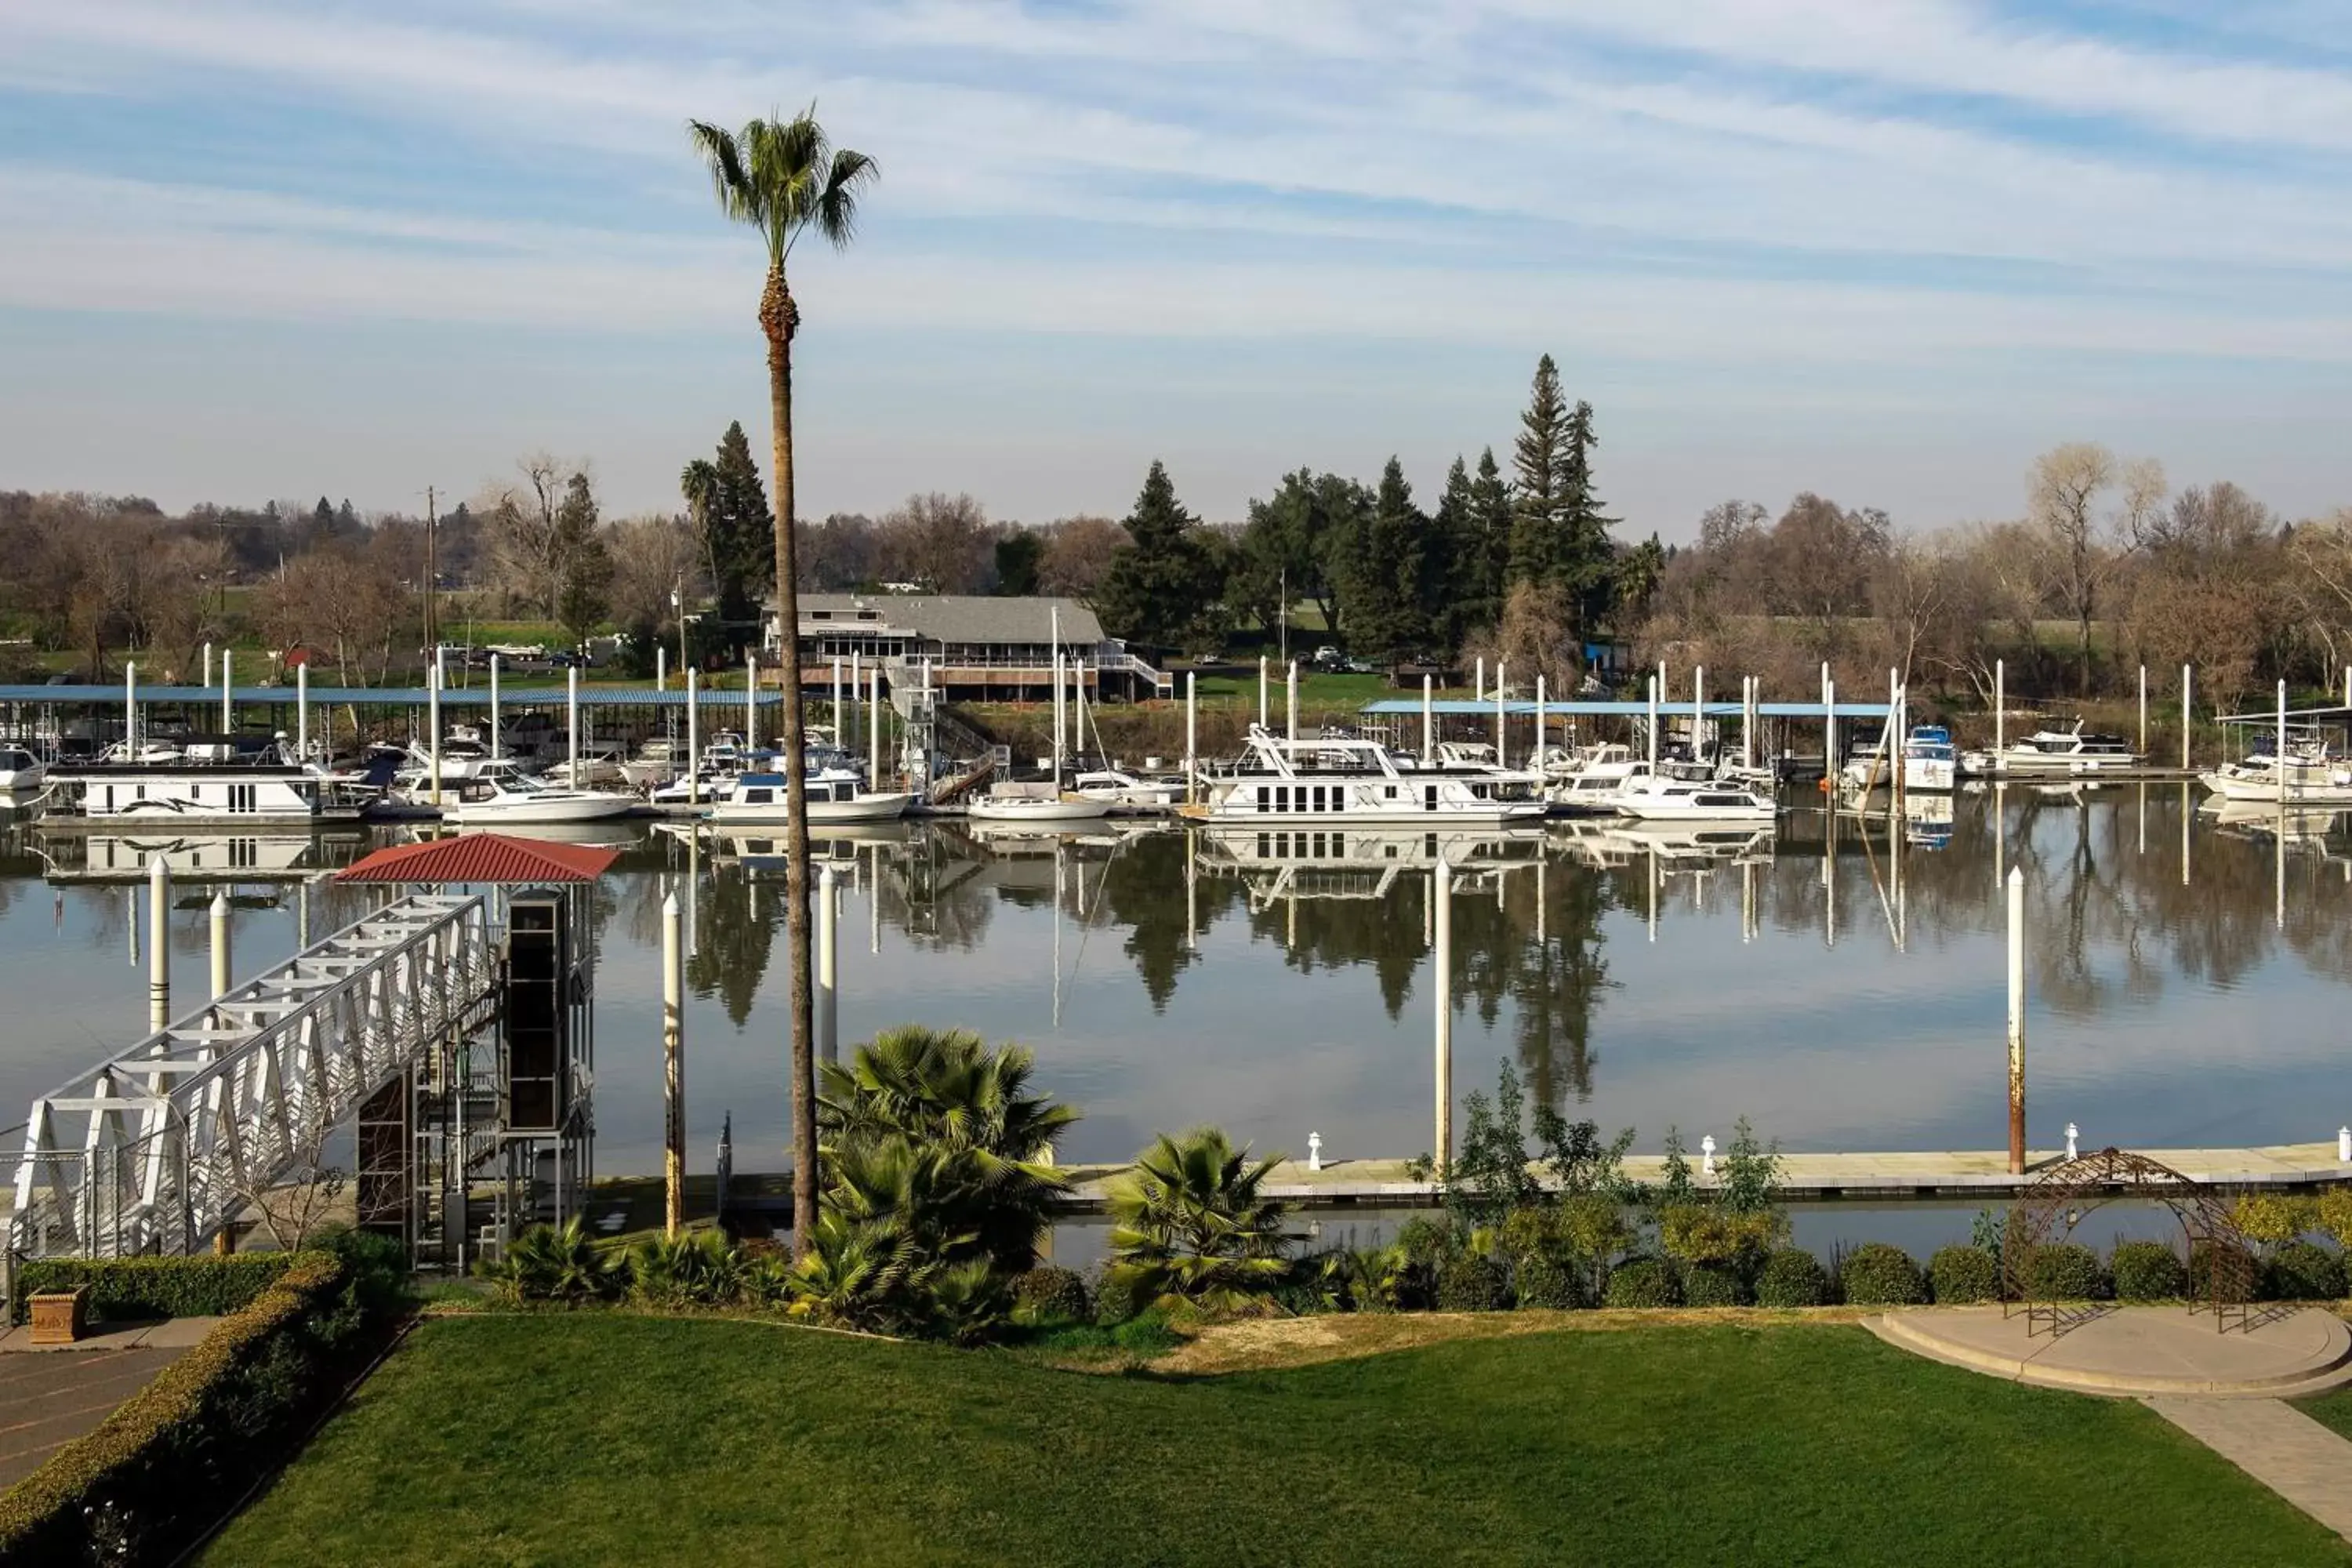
(1428, 719)
(229, 688)
(1290, 722)
(2017, 1020)
(2143, 711)
(433, 731)
(2280, 751)
(2000, 711)
(661, 666)
(130, 710)
(2188, 711)
(750, 703)
(495, 743)
(1698, 707)
(1265, 712)
(1535, 758)
(874, 731)
(693, 734)
(1653, 724)
(1441, 961)
(208, 665)
(673, 1070)
(302, 711)
(159, 945)
(572, 725)
(220, 943)
(1191, 731)
(840, 734)
(1502, 738)
(1478, 690)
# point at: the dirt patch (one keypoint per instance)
(1263, 1344)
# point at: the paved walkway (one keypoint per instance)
(2279, 1446)
(50, 1395)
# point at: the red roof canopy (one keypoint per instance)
(482, 858)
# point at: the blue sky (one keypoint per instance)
(1886, 249)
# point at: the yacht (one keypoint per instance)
(833, 795)
(2049, 752)
(209, 796)
(600, 767)
(2307, 776)
(656, 763)
(1693, 800)
(501, 792)
(1013, 804)
(1335, 779)
(20, 771)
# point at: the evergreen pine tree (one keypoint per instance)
(1452, 576)
(1161, 588)
(1490, 511)
(583, 567)
(1390, 619)
(741, 530)
(1589, 562)
(1538, 498)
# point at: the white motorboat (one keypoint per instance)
(1930, 763)
(1594, 781)
(658, 761)
(2056, 752)
(501, 792)
(20, 771)
(1352, 779)
(600, 767)
(1693, 800)
(833, 795)
(1117, 789)
(2307, 776)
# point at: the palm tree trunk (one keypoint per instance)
(779, 318)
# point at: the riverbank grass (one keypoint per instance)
(609, 1438)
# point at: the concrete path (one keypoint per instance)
(2279, 1446)
(50, 1395)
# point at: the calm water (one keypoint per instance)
(2186, 978)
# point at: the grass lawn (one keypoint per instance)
(603, 1438)
(2331, 1410)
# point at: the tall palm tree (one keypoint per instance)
(699, 483)
(783, 178)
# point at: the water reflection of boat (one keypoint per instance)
(211, 858)
(1282, 863)
(2253, 819)
(1730, 843)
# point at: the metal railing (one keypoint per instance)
(158, 1148)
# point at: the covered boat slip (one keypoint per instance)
(2287, 757)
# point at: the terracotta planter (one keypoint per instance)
(60, 1317)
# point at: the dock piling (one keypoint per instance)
(493, 707)
(302, 711)
(220, 943)
(693, 736)
(572, 725)
(159, 945)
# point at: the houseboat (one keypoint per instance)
(186, 795)
(2056, 752)
(1350, 780)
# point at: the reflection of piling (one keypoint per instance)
(1442, 974)
(673, 1070)
(159, 946)
(2017, 1021)
(828, 965)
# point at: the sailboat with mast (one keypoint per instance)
(1043, 804)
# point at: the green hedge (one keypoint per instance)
(163, 1465)
(2147, 1272)
(1878, 1274)
(1792, 1276)
(128, 1290)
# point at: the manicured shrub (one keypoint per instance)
(1879, 1274)
(1713, 1285)
(1048, 1294)
(1792, 1276)
(2302, 1271)
(129, 1289)
(160, 1469)
(1542, 1281)
(1644, 1282)
(1426, 1242)
(1961, 1274)
(2147, 1272)
(2067, 1271)
(1470, 1284)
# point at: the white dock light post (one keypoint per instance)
(220, 943)
(228, 686)
(302, 710)
(1428, 720)
(493, 707)
(2074, 1133)
(572, 724)
(2344, 1145)
(828, 965)
(673, 1070)
(693, 736)
(1441, 961)
(159, 945)
(1706, 1155)
(2017, 1021)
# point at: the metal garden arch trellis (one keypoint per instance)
(2220, 1266)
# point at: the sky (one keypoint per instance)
(1887, 250)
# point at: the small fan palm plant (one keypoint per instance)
(700, 1268)
(567, 1266)
(1191, 1228)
